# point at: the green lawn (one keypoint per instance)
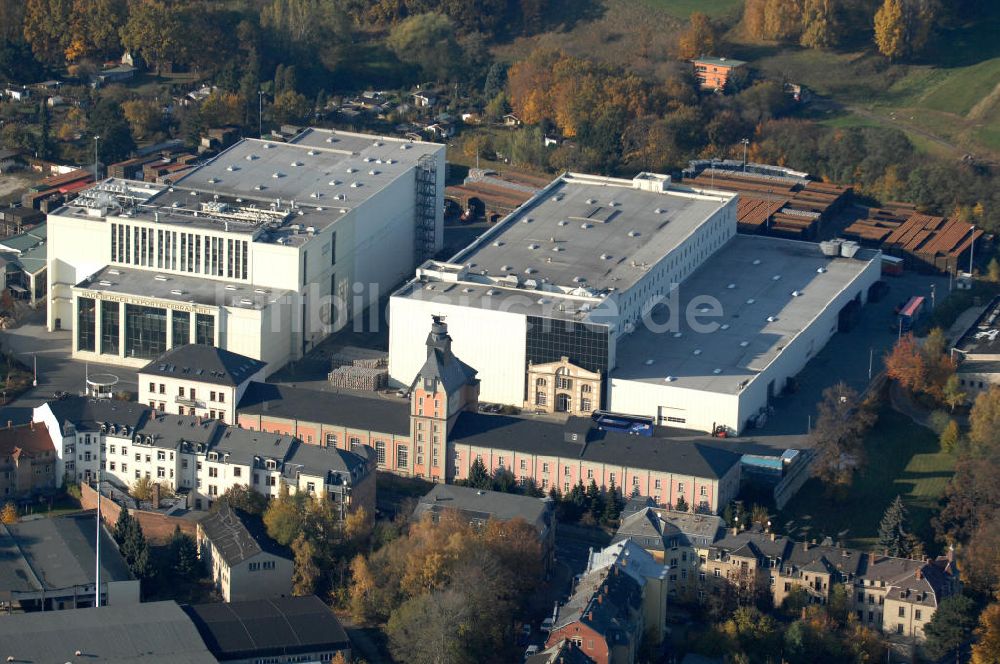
(903, 459)
(684, 8)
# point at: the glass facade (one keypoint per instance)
(86, 318)
(145, 331)
(181, 328)
(110, 326)
(204, 329)
(547, 340)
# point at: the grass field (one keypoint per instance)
(684, 8)
(903, 459)
(957, 102)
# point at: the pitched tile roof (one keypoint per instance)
(205, 364)
(239, 536)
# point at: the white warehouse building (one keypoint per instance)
(642, 282)
(258, 251)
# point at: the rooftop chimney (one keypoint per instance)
(919, 575)
(805, 545)
(773, 536)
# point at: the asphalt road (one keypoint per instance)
(56, 372)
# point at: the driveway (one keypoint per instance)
(845, 358)
(56, 370)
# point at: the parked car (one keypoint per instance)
(547, 625)
(531, 650)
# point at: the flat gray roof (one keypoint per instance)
(983, 336)
(186, 289)
(148, 633)
(305, 169)
(324, 172)
(590, 231)
(56, 554)
(764, 272)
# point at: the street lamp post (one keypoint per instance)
(97, 557)
(972, 248)
(34, 361)
(96, 160)
(260, 113)
(746, 143)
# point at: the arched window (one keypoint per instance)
(540, 382)
(585, 388)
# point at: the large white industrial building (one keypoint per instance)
(642, 281)
(257, 251)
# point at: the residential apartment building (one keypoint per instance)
(197, 457)
(197, 379)
(896, 596)
(617, 602)
(713, 73)
(27, 461)
(479, 506)
(242, 560)
(255, 251)
(680, 540)
(438, 433)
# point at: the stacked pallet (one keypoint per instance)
(785, 207)
(359, 369)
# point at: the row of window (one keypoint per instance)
(182, 252)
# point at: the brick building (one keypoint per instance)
(27, 461)
(713, 73)
(438, 433)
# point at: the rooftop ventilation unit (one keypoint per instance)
(649, 362)
(404, 146)
(250, 157)
(633, 233)
(333, 183)
(315, 194)
(160, 277)
(277, 174)
(724, 326)
(497, 243)
(820, 270)
(506, 268)
(176, 291)
(355, 185)
(368, 160)
(268, 146)
(669, 379)
(373, 172)
(579, 280)
(232, 168)
(756, 261)
(776, 277)
(750, 301)
(230, 287)
(585, 226)
(605, 257)
(296, 164)
(731, 286)
(744, 344)
(558, 249)
(115, 272)
(331, 139)
(258, 187)
(678, 335)
(658, 211)
(716, 371)
(562, 222)
(532, 246)
(351, 169)
(697, 351)
(591, 201)
(530, 270)
(771, 319)
(104, 282)
(796, 293)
